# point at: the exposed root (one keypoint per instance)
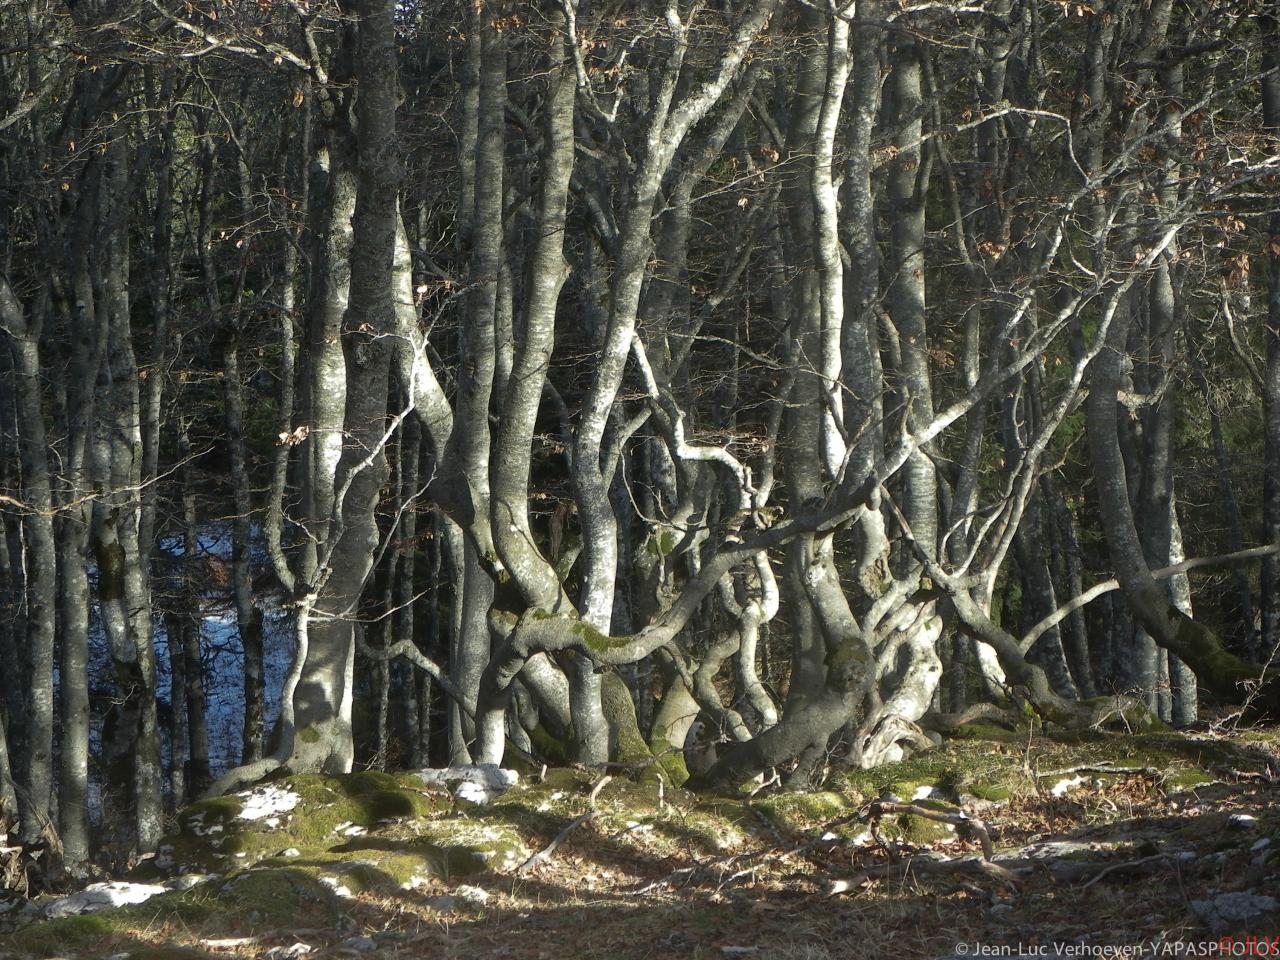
(950, 722)
(243, 776)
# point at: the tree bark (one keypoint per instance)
(40, 559)
(321, 697)
(1270, 581)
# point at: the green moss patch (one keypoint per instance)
(989, 792)
(212, 838)
(797, 810)
(377, 848)
(73, 933)
(994, 766)
(251, 901)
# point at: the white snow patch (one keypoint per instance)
(923, 792)
(1066, 785)
(102, 896)
(286, 953)
(863, 839)
(473, 896)
(337, 886)
(268, 801)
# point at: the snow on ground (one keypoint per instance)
(100, 896)
(267, 801)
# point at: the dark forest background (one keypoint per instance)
(741, 387)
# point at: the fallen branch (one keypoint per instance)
(543, 855)
(916, 866)
(1136, 866)
(595, 791)
(967, 826)
(1091, 871)
(1101, 768)
(237, 943)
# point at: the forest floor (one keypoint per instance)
(1147, 845)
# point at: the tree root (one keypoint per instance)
(244, 775)
(950, 722)
(1009, 872)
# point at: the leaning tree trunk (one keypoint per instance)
(1169, 627)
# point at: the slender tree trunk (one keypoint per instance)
(8, 796)
(404, 590)
(198, 774)
(248, 616)
(907, 184)
(1250, 636)
(40, 560)
(1070, 576)
(179, 734)
(1270, 22)
(470, 441)
(322, 695)
(14, 706)
(87, 341)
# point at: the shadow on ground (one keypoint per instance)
(376, 865)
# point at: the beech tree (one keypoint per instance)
(709, 389)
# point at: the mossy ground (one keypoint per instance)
(658, 872)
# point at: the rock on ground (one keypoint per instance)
(1235, 912)
(479, 783)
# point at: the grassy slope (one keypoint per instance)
(720, 871)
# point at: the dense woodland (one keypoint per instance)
(735, 389)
